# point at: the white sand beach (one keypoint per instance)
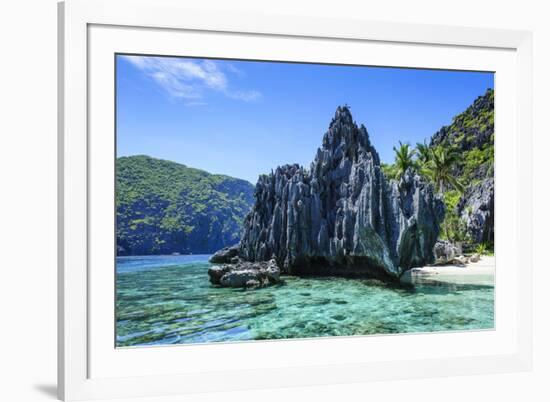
(480, 272)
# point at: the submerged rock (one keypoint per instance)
(342, 217)
(245, 274)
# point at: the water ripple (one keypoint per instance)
(168, 300)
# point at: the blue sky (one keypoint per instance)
(244, 118)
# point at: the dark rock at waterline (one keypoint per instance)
(342, 216)
(476, 209)
(245, 274)
(217, 272)
(225, 255)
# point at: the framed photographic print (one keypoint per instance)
(255, 201)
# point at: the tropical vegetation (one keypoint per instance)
(457, 157)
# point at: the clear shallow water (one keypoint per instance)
(169, 300)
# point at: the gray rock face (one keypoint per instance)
(476, 209)
(445, 252)
(245, 274)
(342, 216)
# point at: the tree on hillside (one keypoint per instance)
(423, 152)
(404, 159)
(439, 168)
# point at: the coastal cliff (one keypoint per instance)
(342, 216)
(471, 134)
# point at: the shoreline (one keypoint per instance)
(481, 271)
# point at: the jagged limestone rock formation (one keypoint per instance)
(342, 217)
(476, 208)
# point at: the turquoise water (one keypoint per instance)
(169, 300)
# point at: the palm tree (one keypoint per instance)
(440, 168)
(404, 159)
(424, 152)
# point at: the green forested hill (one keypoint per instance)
(459, 161)
(472, 134)
(165, 207)
(471, 211)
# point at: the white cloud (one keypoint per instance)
(175, 87)
(190, 79)
(237, 71)
(195, 103)
(247, 96)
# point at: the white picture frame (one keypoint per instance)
(89, 366)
